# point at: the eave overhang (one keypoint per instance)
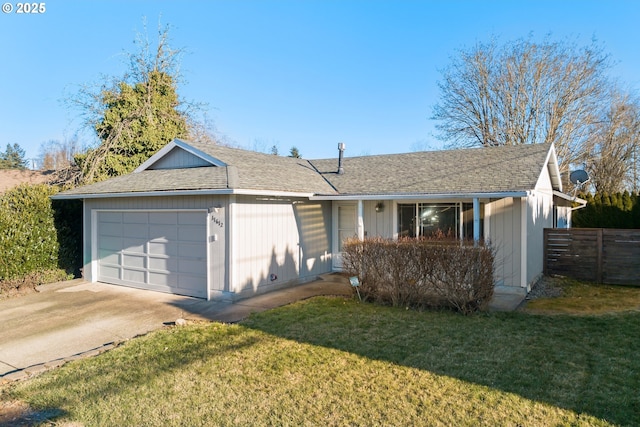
(205, 192)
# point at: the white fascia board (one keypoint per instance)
(310, 196)
(551, 163)
(205, 192)
(422, 196)
(569, 198)
(180, 144)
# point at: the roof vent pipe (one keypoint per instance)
(341, 147)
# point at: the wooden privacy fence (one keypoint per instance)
(602, 255)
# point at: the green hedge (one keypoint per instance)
(604, 210)
(36, 234)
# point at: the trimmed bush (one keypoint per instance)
(618, 210)
(422, 273)
(33, 236)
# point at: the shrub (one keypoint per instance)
(30, 242)
(422, 273)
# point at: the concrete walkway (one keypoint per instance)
(69, 320)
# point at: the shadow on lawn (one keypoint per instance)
(586, 364)
(119, 376)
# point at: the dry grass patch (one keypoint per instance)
(578, 297)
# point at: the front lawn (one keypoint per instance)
(331, 361)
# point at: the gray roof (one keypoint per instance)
(481, 170)
(245, 170)
(477, 170)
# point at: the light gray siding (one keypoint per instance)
(179, 159)
(378, 223)
(503, 219)
(278, 241)
(539, 217)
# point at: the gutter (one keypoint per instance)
(424, 196)
(204, 192)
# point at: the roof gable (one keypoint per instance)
(553, 170)
(179, 154)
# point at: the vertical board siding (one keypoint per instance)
(378, 224)
(504, 234)
(594, 254)
(217, 253)
(277, 241)
(539, 217)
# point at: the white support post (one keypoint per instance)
(360, 220)
(476, 220)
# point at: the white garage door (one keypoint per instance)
(158, 250)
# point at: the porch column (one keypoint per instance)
(360, 220)
(476, 220)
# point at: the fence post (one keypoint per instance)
(599, 244)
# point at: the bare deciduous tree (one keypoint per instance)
(522, 92)
(58, 155)
(612, 144)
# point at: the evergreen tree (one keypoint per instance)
(13, 158)
(627, 202)
(294, 153)
(137, 116)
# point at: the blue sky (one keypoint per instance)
(306, 73)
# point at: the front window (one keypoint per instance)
(436, 219)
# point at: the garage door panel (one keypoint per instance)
(109, 243)
(161, 279)
(190, 233)
(131, 260)
(163, 218)
(190, 218)
(110, 229)
(163, 248)
(106, 217)
(165, 265)
(158, 232)
(136, 230)
(186, 250)
(188, 282)
(135, 218)
(109, 272)
(194, 267)
(109, 257)
(164, 251)
(136, 245)
(135, 276)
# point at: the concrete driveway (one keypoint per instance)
(72, 319)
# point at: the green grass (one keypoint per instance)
(330, 361)
(588, 298)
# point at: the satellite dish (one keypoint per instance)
(579, 177)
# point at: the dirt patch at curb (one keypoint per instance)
(18, 414)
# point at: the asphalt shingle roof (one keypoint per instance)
(481, 170)
(478, 170)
